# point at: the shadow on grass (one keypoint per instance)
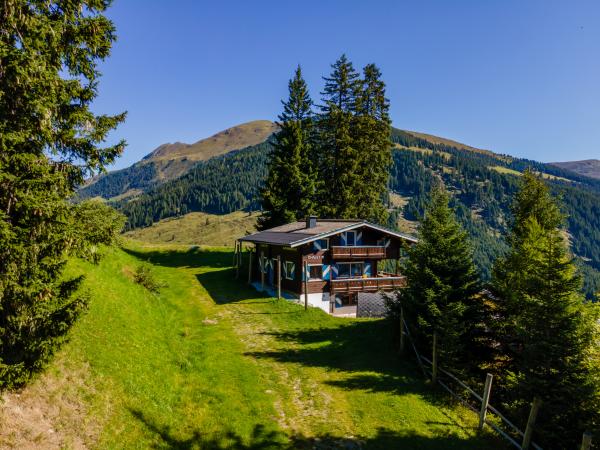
(263, 438)
(362, 352)
(194, 257)
(221, 284)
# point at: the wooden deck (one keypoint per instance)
(360, 251)
(372, 284)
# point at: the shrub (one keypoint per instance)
(143, 275)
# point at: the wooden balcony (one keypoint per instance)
(372, 284)
(359, 251)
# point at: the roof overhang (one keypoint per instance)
(352, 227)
(312, 238)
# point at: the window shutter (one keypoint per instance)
(325, 269)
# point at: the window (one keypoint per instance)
(347, 270)
(315, 272)
(321, 244)
(288, 270)
(350, 238)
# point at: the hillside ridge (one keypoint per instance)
(169, 161)
(586, 167)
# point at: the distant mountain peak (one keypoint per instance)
(234, 138)
(587, 167)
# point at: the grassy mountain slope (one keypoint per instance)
(170, 161)
(588, 167)
(198, 228)
(210, 364)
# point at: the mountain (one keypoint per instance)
(169, 161)
(587, 167)
(482, 183)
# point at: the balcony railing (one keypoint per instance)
(358, 251)
(372, 284)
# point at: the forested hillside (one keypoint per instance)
(169, 161)
(482, 183)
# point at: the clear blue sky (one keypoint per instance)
(518, 77)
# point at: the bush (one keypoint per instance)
(143, 275)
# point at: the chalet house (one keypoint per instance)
(335, 265)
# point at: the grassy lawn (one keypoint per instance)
(209, 363)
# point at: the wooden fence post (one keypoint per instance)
(305, 276)
(586, 441)
(402, 330)
(250, 267)
(278, 277)
(486, 400)
(434, 360)
(535, 407)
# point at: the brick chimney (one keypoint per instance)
(311, 221)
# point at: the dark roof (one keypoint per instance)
(296, 233)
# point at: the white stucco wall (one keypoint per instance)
(318, 300)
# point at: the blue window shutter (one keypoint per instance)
(326, 274)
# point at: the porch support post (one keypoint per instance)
(250, 266)
(262, 271)
(278, 277)
(305, 285)
(238, 249)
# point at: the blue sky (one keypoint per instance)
(517, 77)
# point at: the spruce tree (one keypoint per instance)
(373, 136)
(546, 333)
(338, 156)
(289, 192)
(49, 140)
(442, 285)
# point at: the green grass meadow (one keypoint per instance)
(210, 363)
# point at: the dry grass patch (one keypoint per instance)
(50, 412)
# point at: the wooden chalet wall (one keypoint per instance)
(309, 254)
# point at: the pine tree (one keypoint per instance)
(338, 157)
(442, 284)
(49, 140)
(289, 192)
(546, 332)
(373, 134)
